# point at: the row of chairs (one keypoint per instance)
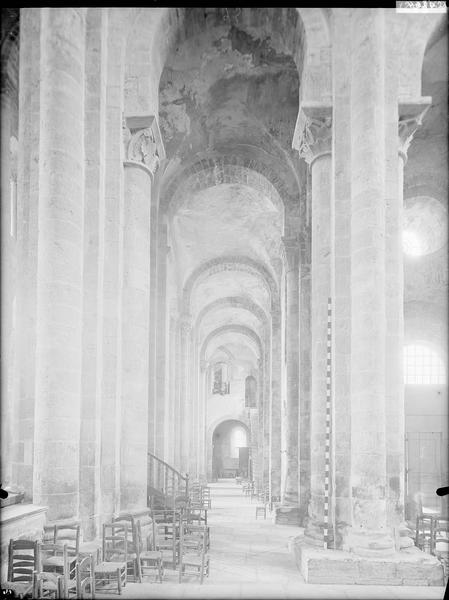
(199, 495)
(29, 576)
(133, 545)
(261, 495)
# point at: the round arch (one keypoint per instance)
(234, 302)
(229, 263)
(152, 33)
(249, 167)
(242, 329)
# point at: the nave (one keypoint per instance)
(251, 558)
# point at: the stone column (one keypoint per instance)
(59, 262)
(8, 288)
(410, 119)
(23, 401)
(203, 418)
(161, 339)
(93, 274)
(111, 240)
(194, 406)
(291, 249)
(185, 401)
(368, 534)
(142, 163)
(174, 433)
(275, 404)
(315, 147)
(266, 414)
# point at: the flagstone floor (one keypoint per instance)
(250, 558)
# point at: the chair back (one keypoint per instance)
(68, 533)
(116, 537)
(23, 560)
(85, 576)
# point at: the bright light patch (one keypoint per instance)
(422, 365)
(238, 440)
(412, 244)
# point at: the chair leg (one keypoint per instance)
(119, 581)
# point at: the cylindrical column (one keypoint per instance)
(369, 534)
(292, 331)
(315, 148)
(60, 262)
(161, 339)
(320, 292)
(155, 428)
(95, 153)
(27, 241)
(173, 455)
(186, 409)
(275, 405)
(135, 335)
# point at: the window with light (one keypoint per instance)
(422, 365)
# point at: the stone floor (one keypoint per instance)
(250, 558)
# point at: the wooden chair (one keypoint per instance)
(206, 497)
(68, 532)
(48, 585)
(56, 560)
(83, 586)
(150, 558)
(133, 546)
(166, 533)
(114, 566)
(23, 564)
(193, 551)
(196, 514)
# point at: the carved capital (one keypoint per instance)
(411, 115)
(313, 132)
(144, 142)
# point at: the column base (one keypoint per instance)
(407, 567)
(288, 514)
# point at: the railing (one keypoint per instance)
(166, 485)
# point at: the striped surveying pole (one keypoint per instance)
(327, 448)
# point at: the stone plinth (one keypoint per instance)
(407, 567)
(288, 515)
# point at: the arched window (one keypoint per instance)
(422, 365)
(250, 392)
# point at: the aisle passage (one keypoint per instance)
(250, 558)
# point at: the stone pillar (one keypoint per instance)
(368, 534)
(154, 429)
(27, 240)
(194, 406)
(185, 400)
(9, 147)
(305, 372)
(410, 119)
(275, 405)
(260, 413)
(59, 262)
(266, 413)
(161, 339)
(203, 418)
(93, 274)
(173, 417)
(315, 147)
(142, 163)
(291, 249)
